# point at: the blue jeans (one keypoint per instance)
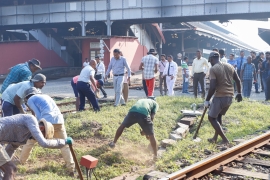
(185, 85)
(264, 81)
(145, 87)
(9, 109)
(85, 90)
(247, 85)
(257, 85)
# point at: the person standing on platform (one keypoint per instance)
(185, 73)
(222, 56)
(149, 65)
(200, 68)
(248, 73)
(255, 61)
(170, 72)
(265, 70)
(86, 62)
(118, 65)
(261, 60)
(233, 62)
(240, 61)
(84, 86)
(100, 73)
(162, 79)
(21, 72)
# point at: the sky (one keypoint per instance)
(247, 31)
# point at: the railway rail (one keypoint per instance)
(225, 163)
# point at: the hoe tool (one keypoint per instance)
(199, 126)
(76, 161)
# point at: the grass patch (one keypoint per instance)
(242, 119)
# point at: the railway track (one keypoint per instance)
(243, 161)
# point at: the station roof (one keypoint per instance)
(204, 30)
(264, 34)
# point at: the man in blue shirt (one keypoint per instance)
(21, 72)
(13, 97)
(240, 61)
(118, 64)
(232, 61)
(44, 107)
(248, 72)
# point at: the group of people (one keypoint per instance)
(21, 92)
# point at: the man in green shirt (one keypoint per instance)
(143, 113)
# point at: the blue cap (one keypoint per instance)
(100, 82)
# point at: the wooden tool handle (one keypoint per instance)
(76, 162)
(199, 126)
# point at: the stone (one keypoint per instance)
(161, 151)
(181, 131)
(175, 137)
(197, 139)
(188, 120)
(154, 175)
(167, 143)
(181, 125)
(191, 113)
(238, 141)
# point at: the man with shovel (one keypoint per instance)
(16, 130)
(221, 76)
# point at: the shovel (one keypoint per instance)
(199, 126)
(76, 162)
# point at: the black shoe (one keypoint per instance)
(262, 90)
(257, 92)
(104, 97)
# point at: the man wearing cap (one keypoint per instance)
(13, 97)
(16, 130)
(84, 86)
(142, 112)
(149, 65)
(100, 73)
(170, 72)
(200, 68)
(118, 64)
(221, 86)
(43, 107)
(21, 72)
(162, 79)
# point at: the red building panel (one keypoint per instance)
(13, 53)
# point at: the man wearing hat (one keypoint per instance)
(16, 130)
(118, 64)
(21, 72)
(13, 97)
(170, 72)
(149, 65)
(162, 79)
(43, 107)
(84, 86)
(221, 86)
(100, 73)
(142, 112)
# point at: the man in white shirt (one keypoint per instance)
(222, 56)
(149, 65)
(100, 73)
(85, 80)
(170, 72)
(162, 79)
(86, 62)
(200, 68)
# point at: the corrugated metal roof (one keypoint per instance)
(205, 30)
